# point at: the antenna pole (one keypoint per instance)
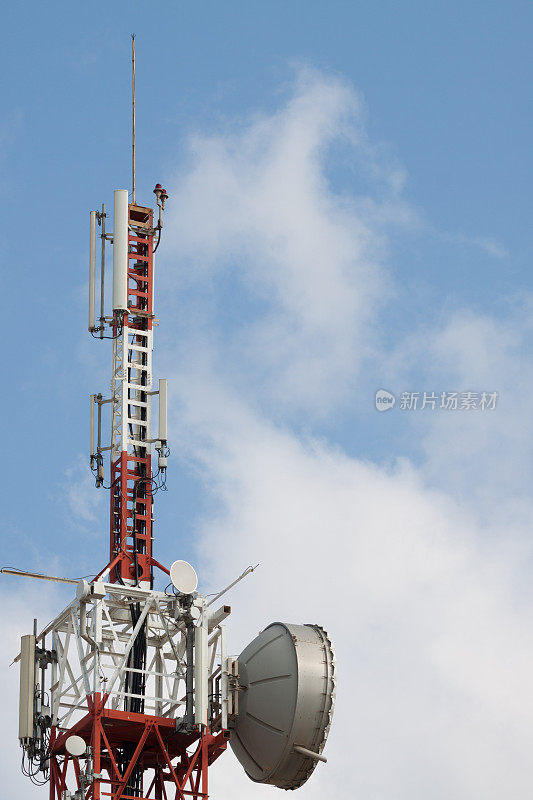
(133, 117)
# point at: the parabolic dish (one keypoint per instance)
(288, 679)
(183, 577)
(75, 746)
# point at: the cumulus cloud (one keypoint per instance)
(78, 489)
(430, 625)
(484, 457)
(255, 210)
(428, 612)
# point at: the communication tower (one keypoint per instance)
(129, 692)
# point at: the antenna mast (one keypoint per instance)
(133, 118)
(130, 692)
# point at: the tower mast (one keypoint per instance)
(133, 118)
(129, 692)
(137, 700)
(131, 394)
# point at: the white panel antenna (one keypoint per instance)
(162, 410)
(92, 271)
(120, 251)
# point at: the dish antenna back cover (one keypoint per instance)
(285, 709)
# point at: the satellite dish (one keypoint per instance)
(183, 577)
(285, 711)
(75, 746)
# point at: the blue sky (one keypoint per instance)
(348, 211)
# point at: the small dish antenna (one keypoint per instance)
(75, 746)
(183, 577)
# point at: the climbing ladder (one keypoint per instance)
(131, 389)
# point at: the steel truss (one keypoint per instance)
(140, 675)
(90, 691)
(155, 745)
(131, 393)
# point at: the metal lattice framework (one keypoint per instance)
(131, 392)
(139, 674)
(93, 638)
(129, 692)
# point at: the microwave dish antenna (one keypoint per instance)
(287, 678)
(75, 746)
(183, 577)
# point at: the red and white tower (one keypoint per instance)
(139, 684)
(129, 692)
(131, 392)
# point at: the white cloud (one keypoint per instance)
(432, 631)
(488, 245)
(429, 614)
(256, 205)
(484, 457)
(79, 490)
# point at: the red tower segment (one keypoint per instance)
(131, 472)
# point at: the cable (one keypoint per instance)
(119, 332)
